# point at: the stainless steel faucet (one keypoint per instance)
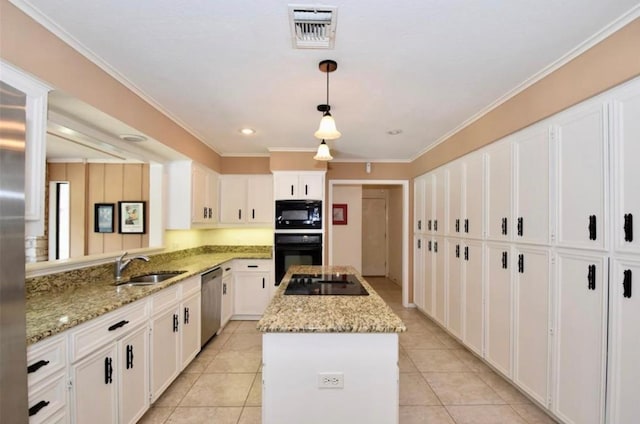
(122, 263)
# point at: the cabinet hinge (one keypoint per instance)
(552, 134)
(551, 332)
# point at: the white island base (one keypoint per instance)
(296, 364)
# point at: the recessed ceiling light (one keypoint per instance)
(134, 138)
(248, 131)
(394, 132)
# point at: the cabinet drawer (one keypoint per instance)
(46, 358)
(107, 328)
(241, 265)
(166, 298)
(46, 399)
(190, 286)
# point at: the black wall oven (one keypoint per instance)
(298, 215)
(296, 249)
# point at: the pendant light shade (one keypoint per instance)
(323, 152)
(327, 129)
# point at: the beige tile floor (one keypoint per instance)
(440, 381)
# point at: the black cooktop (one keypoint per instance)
(325, 285)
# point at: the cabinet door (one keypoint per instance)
(311, 186)
(251, 292)
(453, 249)
(190, 329)
(212, 195)
(454, 193)
(286, 186)
(473, 223)
(227, 299)
(580, 335)
(418, 272)
(428, 275)
(233, 199)
(133, 370)
(429, 205)
(260, 207)
(580, 140)
(165, 360)
(498, 193)
(95, 387)
(531, 151)
(439, 272)
(626, 133)
(531, 324)
(473, 295)
(418, 205)
(439, 187)
(624, 342)
(498, 307)
(199, 195)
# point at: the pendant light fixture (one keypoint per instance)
(323, 152)
(327, 129)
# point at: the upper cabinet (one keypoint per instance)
(298, 185)
(35, 147)
(193, 195)
(246, 199)
(498, 190)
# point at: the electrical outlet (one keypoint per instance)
(331, 380)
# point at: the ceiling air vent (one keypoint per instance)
(313, 27)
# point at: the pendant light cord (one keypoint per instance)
(327, 70)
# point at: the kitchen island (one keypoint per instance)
(329, 358)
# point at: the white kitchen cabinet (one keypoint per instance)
(532, 185)
(418, 271)
(473, 295)
(299, 185)
(428, 275)
(48, 401)
(453, 249)
(498, 307)
(499, 191)
(580, 136)
(193, 197)
(165, 358)
(438, 224)
(626, 173)
(439, 282)
(227, 295)
(246, 199)
(454, 195)
(472, 226)
(531, 321)
(429, 204)
(252, 279)
(190, 332)
(419, 204)
(133, 375)
(624, 341)
(580, 338)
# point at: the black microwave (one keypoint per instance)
(298, 214)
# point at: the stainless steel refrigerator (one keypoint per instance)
(13, 356)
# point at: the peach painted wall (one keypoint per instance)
(244, 165)
(295, 161)
(347, 239)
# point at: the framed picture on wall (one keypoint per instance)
(339, 214)
(103, 217)
(132, 217)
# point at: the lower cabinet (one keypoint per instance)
(440, 296)
(454, 286)
(190, 331)
(227, 295)
(473, 295)
(252, 280)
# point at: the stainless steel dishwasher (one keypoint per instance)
(211, 297)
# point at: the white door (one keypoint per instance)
(133, 369)
(374, 237)
(473, 291)
(418, 205)
(286, 186)
(580, 335)
(624, 342)
(531, 152)
(165, 340)
(311, 186)
(626, 175)
(190, 329)
(233, 199)
(439, 265)
(95, 387)
(454, 193)
(428, 275)
(453, 249)
(418, 271)
(498, 307)
(531, 331)
(473, 223)
(199, 211)
(498, 195)
(260, 208)
(429, 204)
(580, 140)
(439, 187)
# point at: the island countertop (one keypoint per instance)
(328, 314)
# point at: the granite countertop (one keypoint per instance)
(58, 302)
(328, 314)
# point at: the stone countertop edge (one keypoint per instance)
(328, 314)
(50, 313)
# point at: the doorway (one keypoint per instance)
(374, 237)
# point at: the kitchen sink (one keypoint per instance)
(149, 279)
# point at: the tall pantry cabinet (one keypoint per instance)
(556, 251)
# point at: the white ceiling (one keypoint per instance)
(421, 66)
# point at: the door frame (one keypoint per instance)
(405, 225)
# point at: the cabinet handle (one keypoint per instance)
(591, 277)
(457, 250)
(626, 284)
(239, 214)
(108, 371)
(118, 325)
(429, 245)
(252, 266)
(224, 288)
(419, 224)
(292, 189)
(429, 225)
(466, 253)
(129, 356)
(504, 260)
(520, 225)
(521, 263)
(228, 269)
(175, 323)
(628, 227)
(37, 407)
(205, 212)
(457, 225)
(592, 227)
(263, 283)
(35, 367)
(435, 225)
(186, 315)
(466, 225)
(210, 213)
(504, 226)
(253, 214)
(419, 244)
(306, 190)
(435, 246)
